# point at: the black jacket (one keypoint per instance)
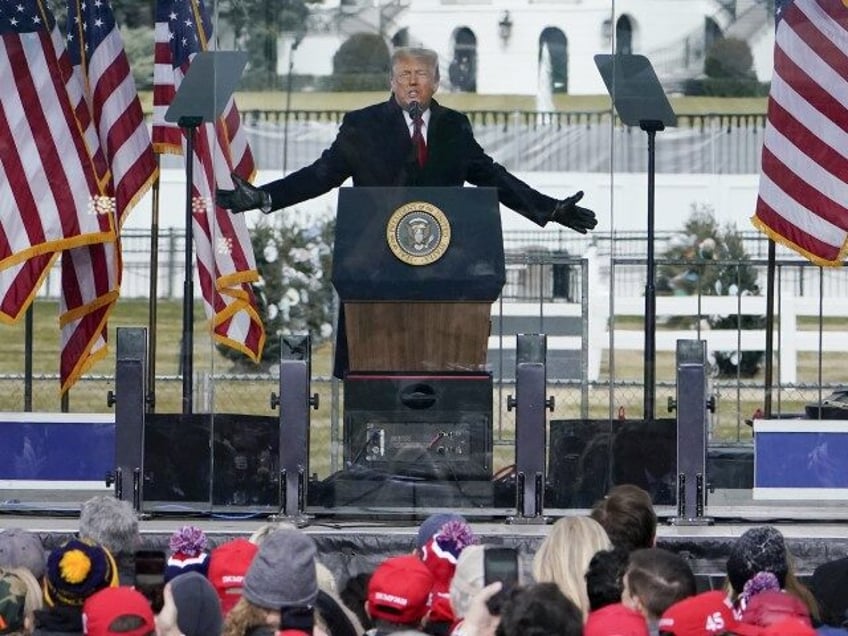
(374, 147)
(53, 621)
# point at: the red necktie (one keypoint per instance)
(418, 141)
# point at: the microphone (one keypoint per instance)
(414, 110)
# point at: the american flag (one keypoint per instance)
(225, 260)
(91, 275)
(803, 194)
(53, 183)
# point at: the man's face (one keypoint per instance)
(413, 80)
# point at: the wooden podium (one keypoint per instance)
(417, 270)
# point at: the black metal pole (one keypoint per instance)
(651, 127)
(769, 370)
(287, 113)
(152, 303)
(28, 329)
(189, 124)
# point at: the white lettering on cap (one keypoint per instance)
(391, 598)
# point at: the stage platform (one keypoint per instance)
(350, 544)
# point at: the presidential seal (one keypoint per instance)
(418, 233)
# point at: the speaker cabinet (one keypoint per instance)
(205, 461)
(588, 457)
(423, 426)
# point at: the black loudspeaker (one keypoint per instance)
(586, 458)
(130, 407)
(205, 461)
(422, 426)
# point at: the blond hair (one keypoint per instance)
(563, 558)
(244, 617)
(429, 56)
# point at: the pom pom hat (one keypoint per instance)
(76, 570)
(188, 552)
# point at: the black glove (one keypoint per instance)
(569, 214)
(245, 196)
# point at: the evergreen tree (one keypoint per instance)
(709, 260)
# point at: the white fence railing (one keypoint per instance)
(602, 313)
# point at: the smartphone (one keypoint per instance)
(500, 564)
(149, 576)
(300, 618)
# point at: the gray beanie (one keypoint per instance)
(198, 608)
(21, 548)
(282, 573)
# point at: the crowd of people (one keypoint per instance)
(598, 575)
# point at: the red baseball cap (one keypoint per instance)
(228, 563)
(700, 615)
(615, 620)
(399, 590)
(102, 608)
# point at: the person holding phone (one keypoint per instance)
(149, 576)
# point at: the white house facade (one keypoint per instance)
(505, 46)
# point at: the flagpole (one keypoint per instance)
(153, 295)
(769, 369)
(28, 331)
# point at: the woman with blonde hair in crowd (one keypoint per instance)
(563, 558)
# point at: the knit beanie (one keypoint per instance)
(432, 524)
(198, 608)
(759, 549)
(283, 572)
(76, 570)
(21, 548)
(188, 552)
(440, 555)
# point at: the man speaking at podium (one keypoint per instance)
(408, 140)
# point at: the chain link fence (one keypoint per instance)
(551, 291)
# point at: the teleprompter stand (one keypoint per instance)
(201, 98)
(639, 100)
